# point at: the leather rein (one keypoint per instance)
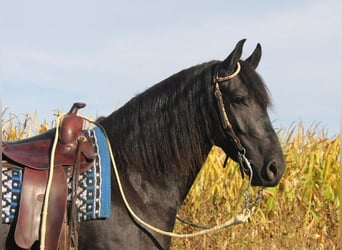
(227, 126)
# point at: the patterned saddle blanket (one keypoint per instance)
(93, 192)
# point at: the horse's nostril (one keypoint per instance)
(271, 171)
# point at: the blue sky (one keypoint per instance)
(106, 52)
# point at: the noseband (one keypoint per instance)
(227, 126)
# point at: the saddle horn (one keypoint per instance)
(76, 106)
(71, 125)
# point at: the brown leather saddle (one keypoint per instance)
(74, 150)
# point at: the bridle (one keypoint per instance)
(227, 126)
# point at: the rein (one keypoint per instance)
(48, 187)
(243, 217)
(249, 207)
(245, 166)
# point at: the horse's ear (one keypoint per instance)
(229, 64)
(254, 58)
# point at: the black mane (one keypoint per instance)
(173, 117)
(160, 122)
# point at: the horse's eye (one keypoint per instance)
(240, 100)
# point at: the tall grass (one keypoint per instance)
(16, 127)
(300, 213)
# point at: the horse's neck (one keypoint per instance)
(169, 184)
(158, 172)
(161, 139)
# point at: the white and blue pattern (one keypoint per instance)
(11, 185)
(93, 194)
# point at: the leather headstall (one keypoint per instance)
(227, 126)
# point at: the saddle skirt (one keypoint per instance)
(35, 152)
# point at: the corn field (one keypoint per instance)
(302, 212)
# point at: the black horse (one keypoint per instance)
(161, 138)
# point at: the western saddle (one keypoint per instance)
(74, 153)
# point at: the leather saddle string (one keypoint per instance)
(73, 235)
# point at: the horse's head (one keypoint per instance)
(245, 127)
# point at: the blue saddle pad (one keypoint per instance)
(93, 193)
